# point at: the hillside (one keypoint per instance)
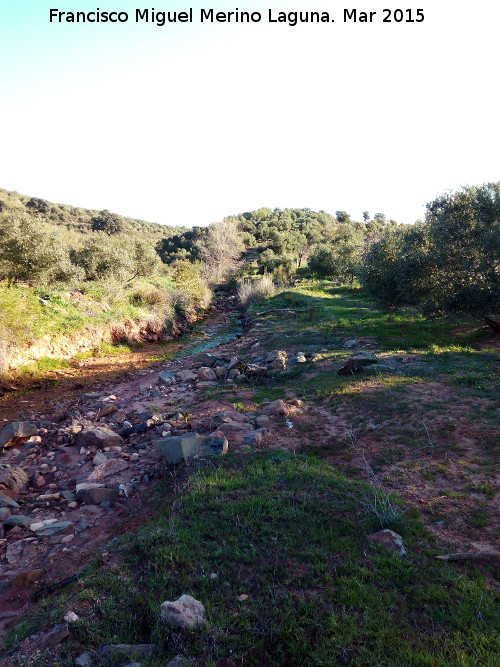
(74, 223)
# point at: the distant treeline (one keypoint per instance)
(448, 262)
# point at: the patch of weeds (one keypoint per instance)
(452, 494)
(479, 519)
(482, 487)
(387, 456)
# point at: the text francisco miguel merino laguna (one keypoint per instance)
(213, 16)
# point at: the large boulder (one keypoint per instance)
(16, 432)
(175, 449)
(98, 436)
(186, 612)
(12, 478)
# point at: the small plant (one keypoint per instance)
(375, 498)
(250, 291)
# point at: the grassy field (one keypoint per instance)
(288, 532)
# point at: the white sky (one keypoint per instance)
(185, 124)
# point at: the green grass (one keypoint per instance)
(345, 312)
(285, 531)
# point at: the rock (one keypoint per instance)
(95, 494)
(167, 378)
(187, 376)
(216, 443)
(277, 408)
(234, 362)
(301, 358)
(277, 359)
(130, 650)
(206, 374)
(182, 447)
(12, 477)
(20, 520)
(4, 513)
(99, 437)
(106, 411)
(14, 552)
(16, 432)
(111, 467)
(5, 501)
(364, 358)
(99, 458)
(84, 660)
(205, 359)
(71, 617)
(349, 344)
(234, 428)
(186, 612)
(54, 636)
(40, 525)
(262, 421)
(357, 363)
(255, 369)
(50, 496)
(254, 438)
(53, 528)
(37, 481)
(229, 416)
(389, 540)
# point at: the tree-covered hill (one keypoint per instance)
(74, 223)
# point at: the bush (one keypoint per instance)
(450, 263)
(103, 258)
(31, 252)
(254, 290)
(107, 222)
(148, 295)
(338, 260)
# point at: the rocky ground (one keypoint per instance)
(80, 473)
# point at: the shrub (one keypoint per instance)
(450, 263)
(31, 252)
(254, 290)
(107, 222)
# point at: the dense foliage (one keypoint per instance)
(449, 263)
